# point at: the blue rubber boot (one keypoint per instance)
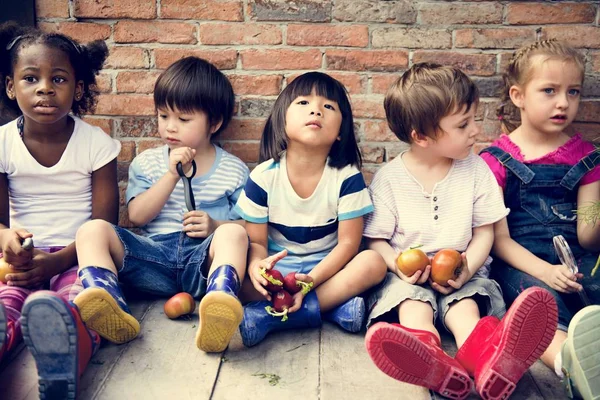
(102, 306)
(3, 327)
(220, 310)
(257, 323)
(349, 315)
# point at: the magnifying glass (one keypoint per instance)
(563, 250)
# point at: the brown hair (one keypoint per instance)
(425, 94)
(520, 71)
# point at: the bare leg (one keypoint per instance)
(554, 348)
(461, 319)
(417, 314)
(229, 246)
(98, 245)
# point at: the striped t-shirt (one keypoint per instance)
(407, 216)
(215, 192)
(302, 226)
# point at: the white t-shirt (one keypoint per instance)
(215, 192)
(303, 226)
(52, 203)
(407, 216)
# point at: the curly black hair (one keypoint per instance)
(87, 60)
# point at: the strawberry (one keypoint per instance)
(292, 285)
(274, 279)
(282, 301)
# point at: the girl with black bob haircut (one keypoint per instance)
(56, 172)
(274, 139)
(193, 84)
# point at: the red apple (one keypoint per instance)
(445, 265)
(180, 304)
(411, 261)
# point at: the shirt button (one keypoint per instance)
(436, 217)
(435, 208)
(435, 198)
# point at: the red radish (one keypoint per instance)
(274, 279)
(292, 285)
(282, 301)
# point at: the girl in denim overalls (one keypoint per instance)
(545, 176)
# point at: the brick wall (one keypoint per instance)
(260, 44)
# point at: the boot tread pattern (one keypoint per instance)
(587, 350)
(220, 317)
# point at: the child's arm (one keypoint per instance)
(11, 239)
(588, 231)
(145, 206)
(383, 247)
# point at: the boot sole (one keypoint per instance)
(402, 356)
(584, 346)
(220, 316)
(2, 328)
(101, 313)
(50, 334)
(529, 327)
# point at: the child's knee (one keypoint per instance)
(97, 229)
(233, 233)
(373, 265)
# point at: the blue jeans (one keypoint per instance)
(164, 265)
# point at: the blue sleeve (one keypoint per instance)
(354, 200)
(138, 181)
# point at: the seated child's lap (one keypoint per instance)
(299, 263)
(394, 291)
(164, 265)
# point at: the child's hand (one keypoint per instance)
(198, 224)
(418, 278)
(455, 284)
(183, 155)
(12, 247)
(258, 281)
(561, 278)
(299, 297)
(42, 267)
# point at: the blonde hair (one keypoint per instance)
(425, 94)
(520, 70)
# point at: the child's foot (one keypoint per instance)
(101, 313)
(581, 354)
(220, 316)
(350, 315)
(51, 334)
(416, 357)
(516, 343)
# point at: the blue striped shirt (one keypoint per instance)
(303, 226)
(215, 192)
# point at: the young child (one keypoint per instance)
(437, 195)
(200, 252)
(304, 207)
(56, 172)
(546, 175)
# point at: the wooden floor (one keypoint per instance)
(164, 363)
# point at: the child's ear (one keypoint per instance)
(79, 90)
(10, 88)
(215, 127)
(516, 95)
(419, 139)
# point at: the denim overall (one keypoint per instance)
(542, 199)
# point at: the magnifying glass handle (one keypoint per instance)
(584, 298)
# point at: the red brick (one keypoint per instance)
(83, 32)
(104, 123)
(460, 13)
(222, 10)
(265, 85)
(136, 81)
(272, 59)
(368, 170)
(246, 33)
(399, 12)
(589, 111)
(354, 83)
(284, 10)
(472, 64)
(138, 9)
(146, 144)
(577, 36)
(366, 60)
(490, 131)
(411, 38)
(246, 151)
(222, 59)
(137, 127)
(381, 83)
(504, 60)
(52, 9)
(104, 83)
(154, 32)
(393, 150)
(506, 38)
(589, 131)
(127, 151)
(328, 35)
(594, 62)
(558, 13)
(123, 104)
(126, 57)
(243, 129)
(378, 131)
(371, 107)
(372, 153)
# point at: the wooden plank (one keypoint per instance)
(18, 379)
(547, 382)
(289, 359)
(163, 362)
(347, 372)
